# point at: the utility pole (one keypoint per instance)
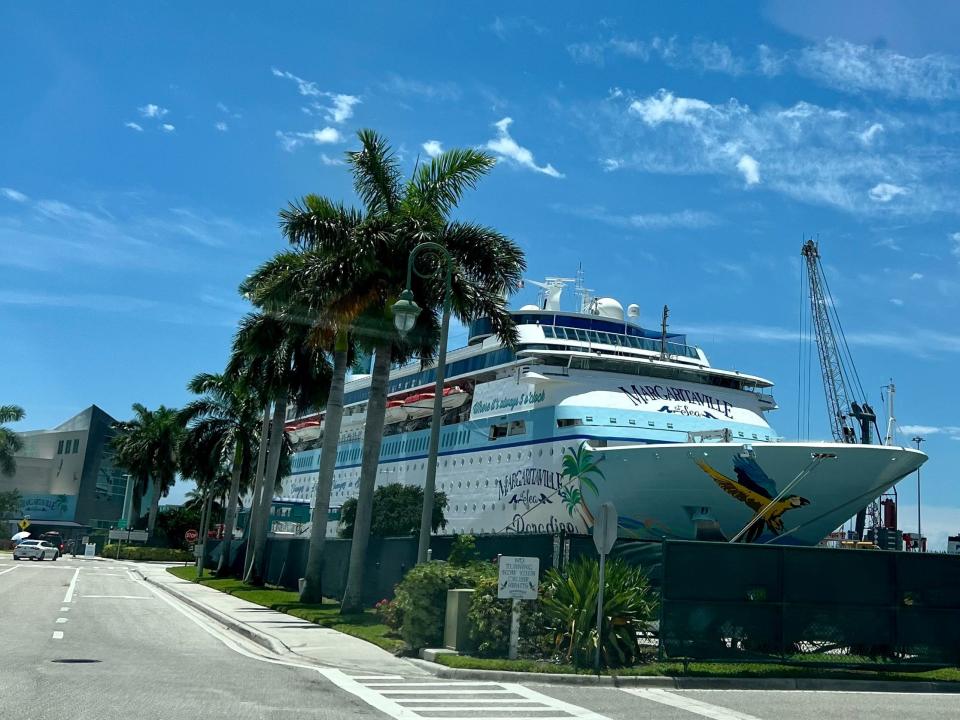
(663, 333)
(918, 440)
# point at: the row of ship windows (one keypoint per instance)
(630, 341)
(577, 422)
(447, 440)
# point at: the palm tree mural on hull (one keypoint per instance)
(581, 470)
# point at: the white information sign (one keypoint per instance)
(519, 577)
(90, 550)
(501, 397)
(129, 535)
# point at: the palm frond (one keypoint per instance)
(439, 185)
(376, 173)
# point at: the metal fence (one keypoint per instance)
(739, 602)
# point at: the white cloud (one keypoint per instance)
(858, 68)
(15, 195)
(955, 250)
(407, 87)
(327, 160)
(152, 111)
(305, 87)
(507, 148)
(665, 107)
(916, 276)
(888, 243)
(227, 111)
(221, 126)
(432, 148)
(611, 164)
(133, 126)
(290, 141)
(870, 134)
(838, 64)
(896, 301)
(750, 169)
(924, 429)
(167, 127)
(691, 219)
(338, 112)
(885, 192)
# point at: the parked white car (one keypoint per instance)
(35, 550)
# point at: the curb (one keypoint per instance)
(691, 683)
(264, 641)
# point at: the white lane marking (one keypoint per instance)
(120, 597)
(9, 570)
(448, 691)
(73, 584)
(61, 621)
(506, 717)
(440, 683)
(58, 635)
(689, 704)
(64, 609)
(376, 677)
(479, 701)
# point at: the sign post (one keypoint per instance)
(518, 579)
(604, 536)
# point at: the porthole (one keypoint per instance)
(457, 508)
(499, 458)
(488, 482)
(551, 451)
(540, 454)
(471, 461)
(483, 507)
(474, 507)
(459, 484)
(508, 457)
(468, 483)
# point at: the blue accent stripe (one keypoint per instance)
(466, 451)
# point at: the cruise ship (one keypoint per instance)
(590, 407)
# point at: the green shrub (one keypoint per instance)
(146, 553)
(570, 606)
(421, 598)
(489, 620)
(463, 551)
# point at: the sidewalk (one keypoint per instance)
(278, 632)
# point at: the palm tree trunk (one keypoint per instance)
(372, 438)
(260, 511)
(205, 509)
(258, 484)
(230, 520)
(313, 582)
(154, 507)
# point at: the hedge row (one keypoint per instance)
(139, 552)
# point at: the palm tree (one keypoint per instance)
(10, 442)
(147, 446)
(351, 266)
(227, 413)
(275, 355)
(202, 455)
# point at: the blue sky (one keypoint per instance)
(679, 152)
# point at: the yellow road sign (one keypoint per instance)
(24, 524)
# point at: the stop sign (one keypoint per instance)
(191, 535)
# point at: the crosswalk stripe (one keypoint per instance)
(715, 712)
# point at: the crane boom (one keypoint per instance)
(836, 365)
(831, 363)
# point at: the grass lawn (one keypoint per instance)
(749, 670)
(365, 625)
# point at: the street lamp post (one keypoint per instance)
(127, 499)
(405, 312)
(918, 440)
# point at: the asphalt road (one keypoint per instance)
(145, 655)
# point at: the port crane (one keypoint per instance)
(841, 384)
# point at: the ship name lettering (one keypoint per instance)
(643, 394)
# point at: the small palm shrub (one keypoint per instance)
(421, 598)
(489, 619)
(570, 607)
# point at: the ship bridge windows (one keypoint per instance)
(517, 427)
(569, 422)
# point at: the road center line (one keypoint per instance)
(73, 584)
(61, 621)
(64, 609)
(58, 635)
(689, 704)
